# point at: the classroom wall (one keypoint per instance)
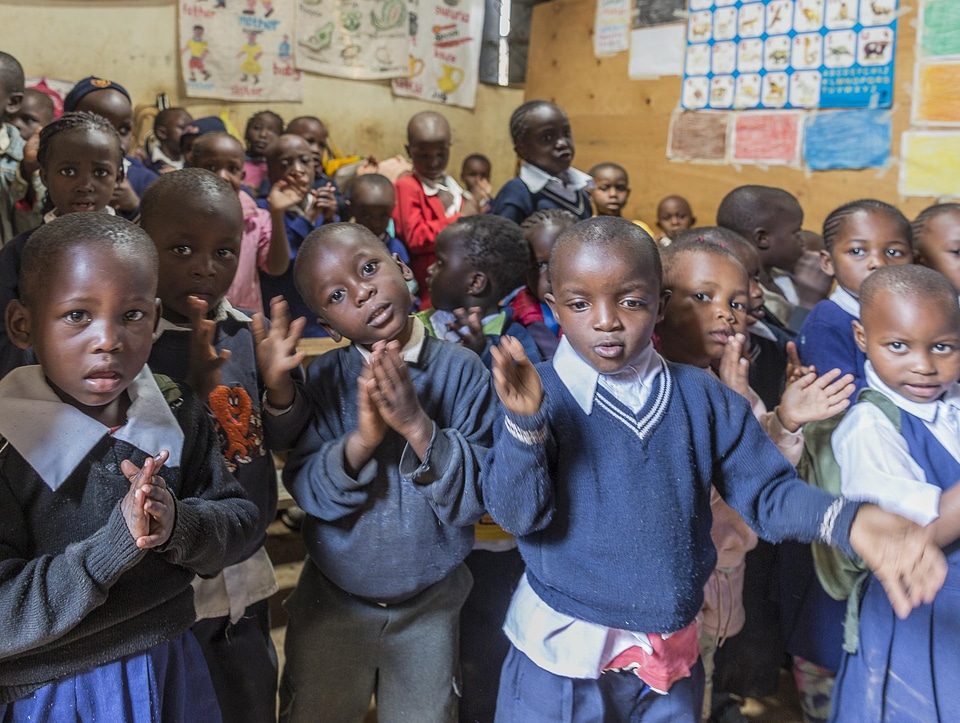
(627, 121)
(134, 42)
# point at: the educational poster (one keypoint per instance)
(358, 39)
(658, 12)
(611, 27)
(936, 99)
(789, 54)
(928, 163)
(444, 64)
(698, 136)
(240, 53)
(771, 139)
(849, 139)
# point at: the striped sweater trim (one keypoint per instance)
(655, 412)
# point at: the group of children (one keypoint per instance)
(531, 500)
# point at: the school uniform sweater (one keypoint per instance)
(826, 342)
(612, 509)
(516, 202)
(402, 524)
(75, 590)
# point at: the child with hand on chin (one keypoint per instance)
(603, 622)
(102, 532)
(388, 475)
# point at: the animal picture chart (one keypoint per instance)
(744, 54)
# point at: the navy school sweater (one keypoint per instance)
(514, 201)
(612, 510)
(826, 341)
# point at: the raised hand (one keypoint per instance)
(515, 378)
(326, 202)
(371, 429)
(396, 399)
(148, 507)
(283, 196)
(124, 197)
(811, 398)
(203, 373)
(734, 368)
(469, 328)
(276, 351)
(795, 369)
(901, 554)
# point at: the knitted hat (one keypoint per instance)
(87, 86)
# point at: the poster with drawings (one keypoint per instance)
(358, 39)
(744, 54)
(444, 52)
(238, 53)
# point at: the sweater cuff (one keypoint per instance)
(528, 429)
(118, 551)
(186, 529)
(426, 471)
(835, 525)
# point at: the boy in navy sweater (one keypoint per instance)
(602, 465)
(390, 433)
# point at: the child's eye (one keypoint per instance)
(370, 267)
(895, 253)
(101, 173)
(68, 172)
(942, 348)
(897, 346)
(182, 250)
(76, 316)
(578, 305)
(225, 253)
(542, 266)
(134, 315)
(336, 296)
(738, 305)
(701, 296)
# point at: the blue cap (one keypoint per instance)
(199, 126)
(89, 85)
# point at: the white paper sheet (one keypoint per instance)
(657, 51)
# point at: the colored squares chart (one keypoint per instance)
(744, 54)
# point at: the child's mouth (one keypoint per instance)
(380, 316)
(608, 350)
(103, 381)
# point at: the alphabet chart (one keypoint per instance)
(744, 54)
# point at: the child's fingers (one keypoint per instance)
(198, 310)
(259, 328)
(793, 356)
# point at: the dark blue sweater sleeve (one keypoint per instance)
(826, 342)
(513, 201)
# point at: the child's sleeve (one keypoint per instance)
(44, 598)
(518, 489)
(513, 201)
(827, 346)
(416, 223)
(216, 525)
(876, 466)
(763, 487)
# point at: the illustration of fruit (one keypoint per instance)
(392, 14)
(320, 39)
(350, 20)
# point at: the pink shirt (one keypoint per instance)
(244, 292)
(254, 173)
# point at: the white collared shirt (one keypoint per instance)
(158, 155)
(556, 642)
(846, 301)
(5, 139)
(875, 462)
(568, 187)
(55, 437)
(410, 352)
(448, 184)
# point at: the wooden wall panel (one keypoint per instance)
(627, 121)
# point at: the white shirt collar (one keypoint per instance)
(5, 138)
(55, 437)
(536, 179)
(581, 379)
(410, 352)
(927, 411)
(846, 301)
(158, 155)
(762, 330)
(223, 311)
(449, 184)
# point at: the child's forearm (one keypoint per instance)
(946, 528)
(278, 255)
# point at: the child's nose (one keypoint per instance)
(108, 338)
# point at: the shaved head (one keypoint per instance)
(607, 232)
(428, 127)
(910, 284)
(747, 207)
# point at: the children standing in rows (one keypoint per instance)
(263, 128)
(112, 101)
(290, 161)
(264, 248)
(196, 222)
(590, 621)
(909, 330)
(859, 238)
(393, 465)
(529, 307)
(611, 190)
(430, 199)
(81, 163)
(543, 140)
(936, 240)
(103, 530)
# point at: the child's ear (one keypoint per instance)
(404, 269)
(693, 222)
(665, 295)
(158, 310)
(479, 284)
(17, 319)
(160, 132)
(761, 239)
(13, 103)
(859, 335)
(551, 302)
(334, 334)
(826, 263)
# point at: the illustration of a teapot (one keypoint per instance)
(451, 79)
(416, 66)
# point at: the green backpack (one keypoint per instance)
(841, 577)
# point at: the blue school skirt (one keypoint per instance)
(904, 670)
(168, 682)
